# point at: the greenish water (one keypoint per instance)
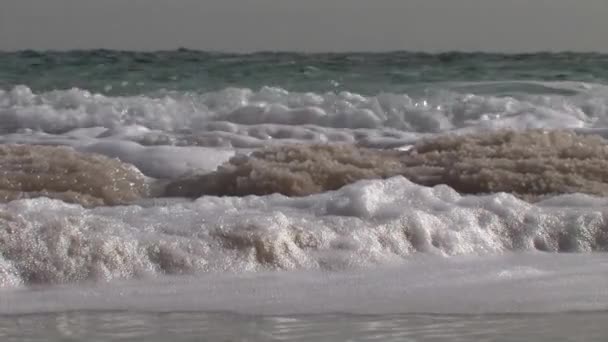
(129, 73)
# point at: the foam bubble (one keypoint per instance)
(9, 277)
(64, 249)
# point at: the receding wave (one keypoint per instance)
(292, 170)
(62, 173)
(529, 164)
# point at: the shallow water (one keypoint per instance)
(514, 297)
(193, 326)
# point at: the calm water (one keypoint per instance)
(131, 73)
(178, 326)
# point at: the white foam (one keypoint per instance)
(134, 128)
(162, 161)
(61, 111)
(368, 223)
(9, 276)
(363, 225)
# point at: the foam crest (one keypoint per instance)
(65, 249)
(62, 111)
(62, 173)
(370, 222)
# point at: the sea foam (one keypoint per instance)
(61, 172)
(529, 164)
(333, 181)
(62, 111)
(370, 222)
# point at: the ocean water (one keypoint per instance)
(310, 197)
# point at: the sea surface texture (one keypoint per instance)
(309, 197)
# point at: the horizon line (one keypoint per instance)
(312, 52)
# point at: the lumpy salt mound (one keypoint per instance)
(529, 164)
(59, 172)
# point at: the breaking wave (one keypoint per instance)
(370, 222)
(305, 181)
(529, 164)
(582, 105)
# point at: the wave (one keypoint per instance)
(530, 165)
(89, 210)
(371, 222)
(237, 110)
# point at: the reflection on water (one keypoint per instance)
(127, 326)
